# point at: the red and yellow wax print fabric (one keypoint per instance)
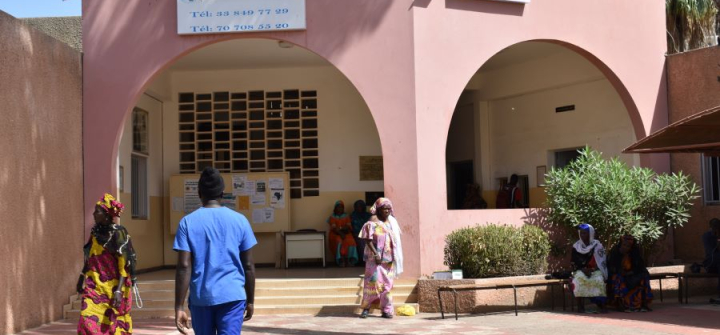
(103, 271)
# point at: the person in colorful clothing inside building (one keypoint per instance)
(629, 276)
(383, 258)
(590, 269)
(342, 244)
(358, 219)
(108, 274)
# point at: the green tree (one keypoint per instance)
(690, 24)
(618, 200)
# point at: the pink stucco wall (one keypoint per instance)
(454, 38)
(368, 41)
(41, 208)
(410, 61)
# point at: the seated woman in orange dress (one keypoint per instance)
(342, 243)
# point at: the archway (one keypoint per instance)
(527, 109)
(246, 106)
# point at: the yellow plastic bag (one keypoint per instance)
(405, 310)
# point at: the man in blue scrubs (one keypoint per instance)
(215, 261)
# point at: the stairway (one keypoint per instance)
(272, 296)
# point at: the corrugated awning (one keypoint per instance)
(697, 133)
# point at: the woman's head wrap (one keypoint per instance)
(381, 203)
(211, 183)
(361, 204)
(588, 228)
(111, 206)
(339, 203)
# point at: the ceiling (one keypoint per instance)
(521, 53)
(247, 54)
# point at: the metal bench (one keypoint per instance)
(667, 275)
(684, 278)
(513, 285)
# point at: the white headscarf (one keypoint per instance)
(398, 251)
(593, 245)
(395, 233)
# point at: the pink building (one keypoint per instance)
(447, 92)
(443, 93)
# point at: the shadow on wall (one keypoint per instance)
(560, 242)
(40, 176)
(493, 7)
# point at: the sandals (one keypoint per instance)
(365, 313)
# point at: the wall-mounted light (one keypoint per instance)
(285, 45)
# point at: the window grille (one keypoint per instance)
(252, 131)
(139, 189)
(711, 180)
(140, 121)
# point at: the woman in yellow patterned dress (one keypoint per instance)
(108, 275)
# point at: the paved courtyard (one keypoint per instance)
(668, 318)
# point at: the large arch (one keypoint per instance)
(344, 129)
(519, 54)
(620, 87)
(121, 59)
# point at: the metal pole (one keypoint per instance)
(442, 313)
(455, 295)
(515, 294)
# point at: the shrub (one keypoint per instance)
(497, 250)
(617, 200)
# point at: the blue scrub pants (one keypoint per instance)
(223, 319)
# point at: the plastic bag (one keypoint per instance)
(405, 310)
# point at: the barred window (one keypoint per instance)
(140, 131)
(252, 131)
(139, 189)
(711, 179)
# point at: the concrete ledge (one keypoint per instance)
(536, 297)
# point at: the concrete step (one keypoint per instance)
(145, 313)
(398, 298)
(313, 309)
(76, 305)
(282, 292)
(163, 285)
(273, 296)
(308, 309)
(298, 283)
(326, 300)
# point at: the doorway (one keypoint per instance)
(461, 175)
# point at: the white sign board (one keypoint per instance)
(235, 16)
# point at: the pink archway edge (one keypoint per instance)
(117, 123)
(121, 59)
(645, 119)
(632, 109)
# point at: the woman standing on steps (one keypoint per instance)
(108, 274)
(383, 258)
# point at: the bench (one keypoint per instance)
(454, 289)
(513, 285)
(684, 278)
(667, 275)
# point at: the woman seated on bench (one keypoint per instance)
(629, 276)
(590, 269)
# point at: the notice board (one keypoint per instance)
(260, 197)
